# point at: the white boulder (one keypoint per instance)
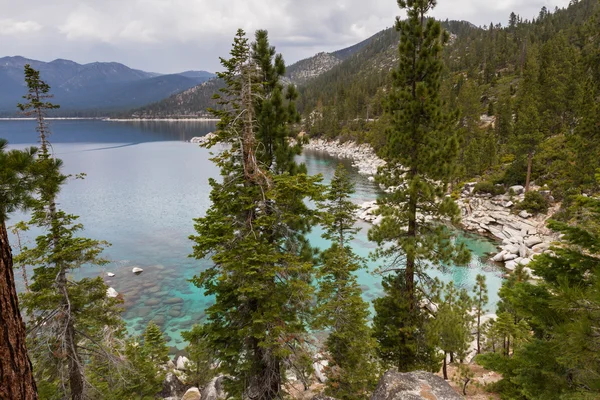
(110, 274)
(533, 240)
(511, 265)
(137, 270)
(500, 256)
(541, 247)
(192, 394)
(319, 368)
(524, 214)
(180, 363)
(517, 189)
(111, 292)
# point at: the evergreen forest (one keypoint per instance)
(444, 104)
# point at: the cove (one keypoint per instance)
(144, 186)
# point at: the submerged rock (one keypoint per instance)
(417, 385)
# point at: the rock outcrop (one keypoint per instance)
(362, 155)
(523, 235)
(417, 385)
(214, 389)
(173, 388)
(192, 394)
(203, 140)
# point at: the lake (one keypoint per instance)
(144, 186)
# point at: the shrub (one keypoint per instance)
(534, 202)
(488, 187)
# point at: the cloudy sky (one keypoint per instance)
(175, 35)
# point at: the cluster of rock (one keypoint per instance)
(202, 140)
(362, 155)
(175, 389)
(523, 235)
(415, 385)
(367, 212)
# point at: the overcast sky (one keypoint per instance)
(176, 35)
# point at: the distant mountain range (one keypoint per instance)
(92, 89)
(194, 101)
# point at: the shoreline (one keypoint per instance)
(160, 119)
(108, 119)
(520, 236)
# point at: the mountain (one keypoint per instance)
(92, 89)
(195, 101)
(190, 103)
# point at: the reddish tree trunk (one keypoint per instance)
(16, 373)
(445, 369)
(528, 179)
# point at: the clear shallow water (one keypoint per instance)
(144, 186)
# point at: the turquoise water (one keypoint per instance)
(144, 186)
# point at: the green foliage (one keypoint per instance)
(73, 328)
(420, 152)
(352, 368)
(255, 230)
(556, 351)
(17, 179)
(534, 202)
(200, 367)
(480, 299)
(155, 345)
(400, 330)
(450, 327)
(488, 187)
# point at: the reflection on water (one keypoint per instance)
(143, 189)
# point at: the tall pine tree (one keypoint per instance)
(352, 369)
(65, 316)
(255, 230)
(420, 153)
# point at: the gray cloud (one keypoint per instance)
(175, 35)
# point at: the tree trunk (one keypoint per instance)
(75, 373)
(70, 343)
(445, 369)
(16, 373)
(451, 356)
(410, 258)
(529, 162)
(478, 331)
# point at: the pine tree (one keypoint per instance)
(65, 316)
(17, 185)
(481, 299)
(255, 230)
(451, 325)
(420, 152)
(528, 133)
(340, 308)
(200, 367)
(155, 345)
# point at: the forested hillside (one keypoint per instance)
(523, 92)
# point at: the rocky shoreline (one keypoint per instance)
(522, 235)
(362, 155)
